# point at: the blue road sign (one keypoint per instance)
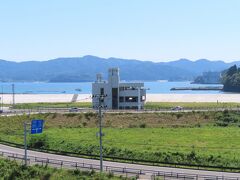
(37, 126)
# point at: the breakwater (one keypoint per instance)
(208, 88)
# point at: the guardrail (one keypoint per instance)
(128, 172)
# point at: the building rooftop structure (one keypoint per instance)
(118, 95)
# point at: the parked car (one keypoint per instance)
(1, 111)
(177, 108)
(73, 109)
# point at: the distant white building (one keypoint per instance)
(119, 95)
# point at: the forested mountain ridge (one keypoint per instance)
(85, 68)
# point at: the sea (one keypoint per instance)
(156, 87)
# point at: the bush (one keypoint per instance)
(38, 141)
(110, 175)
(89, 115)
(226, 118)
(143, 125)
(84, 124)
(179, 115)
(70, 115)
(54, 115)
(12, 170)
(132, 126)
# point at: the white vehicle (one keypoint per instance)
(177, 108)
(74, 109)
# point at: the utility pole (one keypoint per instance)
(2, 99)
(139, 98)
(13, 95)
(100, 132)
(100, 115)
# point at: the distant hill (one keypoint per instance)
(231, 79)
(85, 69)
(199, 66)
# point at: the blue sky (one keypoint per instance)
(157, 30)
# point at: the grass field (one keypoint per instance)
(190, 105)
(52, 105)
(205, 138)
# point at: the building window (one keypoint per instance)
(131, 99)
(114, 98)
(102, 91)
(134, 107)
(121, 99)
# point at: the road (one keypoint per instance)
(12, 112)
(9, 149)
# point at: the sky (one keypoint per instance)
(155, 30)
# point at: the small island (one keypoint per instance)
(205, 88)
(208, 78)
(231, 79)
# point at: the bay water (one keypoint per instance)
(156, 87)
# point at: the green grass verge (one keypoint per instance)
(189, 105)
(53, 105)
(197, 138)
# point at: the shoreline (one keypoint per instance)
(34, 98)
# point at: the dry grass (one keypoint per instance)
(128, 120)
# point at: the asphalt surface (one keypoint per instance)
(13, 112)
(9, 149)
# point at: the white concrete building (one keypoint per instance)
(119, 95)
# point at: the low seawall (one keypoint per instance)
(32, 98)
(215, 88)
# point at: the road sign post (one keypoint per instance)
(36, 128)
(25, 143)
(13, 95)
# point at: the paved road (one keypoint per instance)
(12, 112)
(123, 165)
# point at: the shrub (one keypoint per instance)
(71, 114)
(54, 115)
(206, 116)
(89, 115)
(143, 125)
(226, 118)
(179, 115)
(132, 126)
(38, 141)
(84, 124)
(110, 175)
(80, 116)
(198, 125)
